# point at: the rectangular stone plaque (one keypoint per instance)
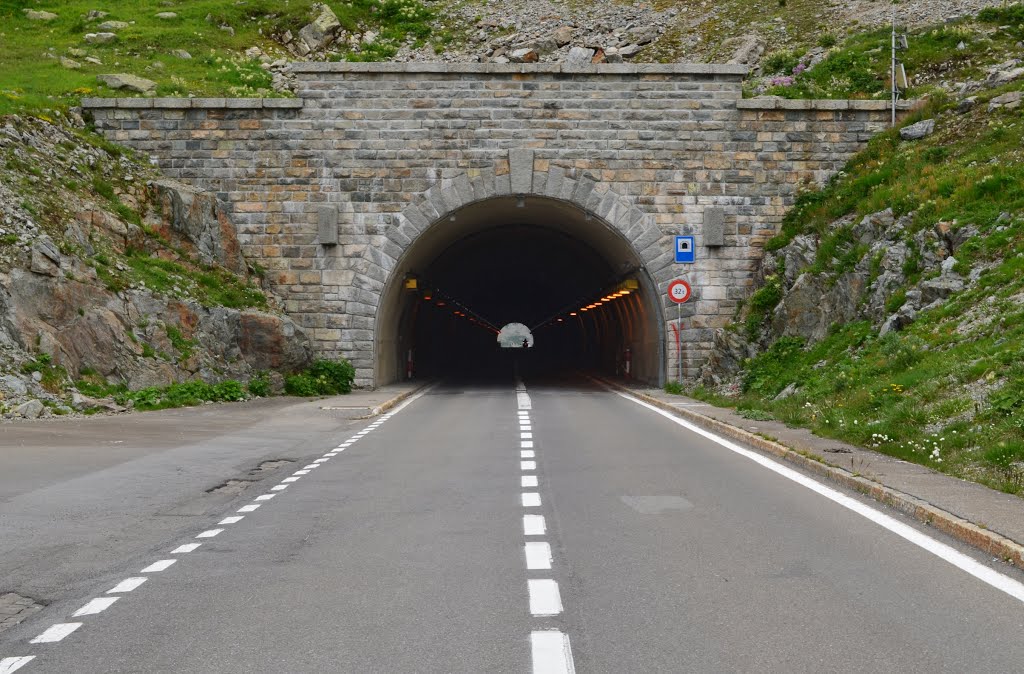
(327, 222)
(714, 226)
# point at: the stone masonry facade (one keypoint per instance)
(330, 189)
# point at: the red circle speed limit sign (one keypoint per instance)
(679, 291)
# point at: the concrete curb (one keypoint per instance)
(401, 397)
(964, 531)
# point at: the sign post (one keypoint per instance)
(679, 291)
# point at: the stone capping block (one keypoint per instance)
(193, 103)
(771, 103)
(327, 225)
(726, 70)
(714, 226)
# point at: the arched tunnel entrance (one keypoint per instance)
(573, 280)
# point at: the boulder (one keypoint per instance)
(181, 53)
(1001, 77)
(562, 35)
(919, 130)
(166, 16)
(899, 320)
(70, 64)
(524, 55)
(940, 288)
(99, 38)
(33, 15)
(11, 384)
(1009, 100)
(95, 14)
(110, 26)
(319, 33)
(967, 104)
(126, 81)
(45, 258)
(30, 410)
(579, 57)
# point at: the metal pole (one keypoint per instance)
(893, 65)
(679, 331)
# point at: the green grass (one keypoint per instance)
(31, 81)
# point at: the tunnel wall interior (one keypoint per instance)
(330, 190)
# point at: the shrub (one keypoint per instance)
(300, 385)
(673, 387)
(259, 384)
(228, 391)
(323, 378)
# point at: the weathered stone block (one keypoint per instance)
(327, 225)
(713, 230)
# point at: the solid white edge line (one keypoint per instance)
(544, 597)
(534, 525)
(55, 633)
(528, 481)
(94, 606)
(11, 665)
(538, 555)
(531, 499)
(188, 547)
(983, 573)
(234, 519)
(127, 585)
(209, 533)
(551, 652)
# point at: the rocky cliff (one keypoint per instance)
(109, 272)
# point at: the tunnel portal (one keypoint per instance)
(570, 278)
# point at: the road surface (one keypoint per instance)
(479, 528)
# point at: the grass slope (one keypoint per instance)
(948, 391)
(215, 32)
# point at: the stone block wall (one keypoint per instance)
(385, 150)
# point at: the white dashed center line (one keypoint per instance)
(127, 585)
(265, 497)
(533, 525)
(98, 605)
(544, 597)
(188, 547)
(209, 533)
(538, 555)
(550, 651)
(157, 567)
(56, 633)
(249, 508)
(232, 520)
(11, 665)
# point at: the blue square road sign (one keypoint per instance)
(684, 250)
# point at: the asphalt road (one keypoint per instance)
(481, 529)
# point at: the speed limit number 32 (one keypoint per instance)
(679, 291)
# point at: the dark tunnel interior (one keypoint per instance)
(569, 278)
